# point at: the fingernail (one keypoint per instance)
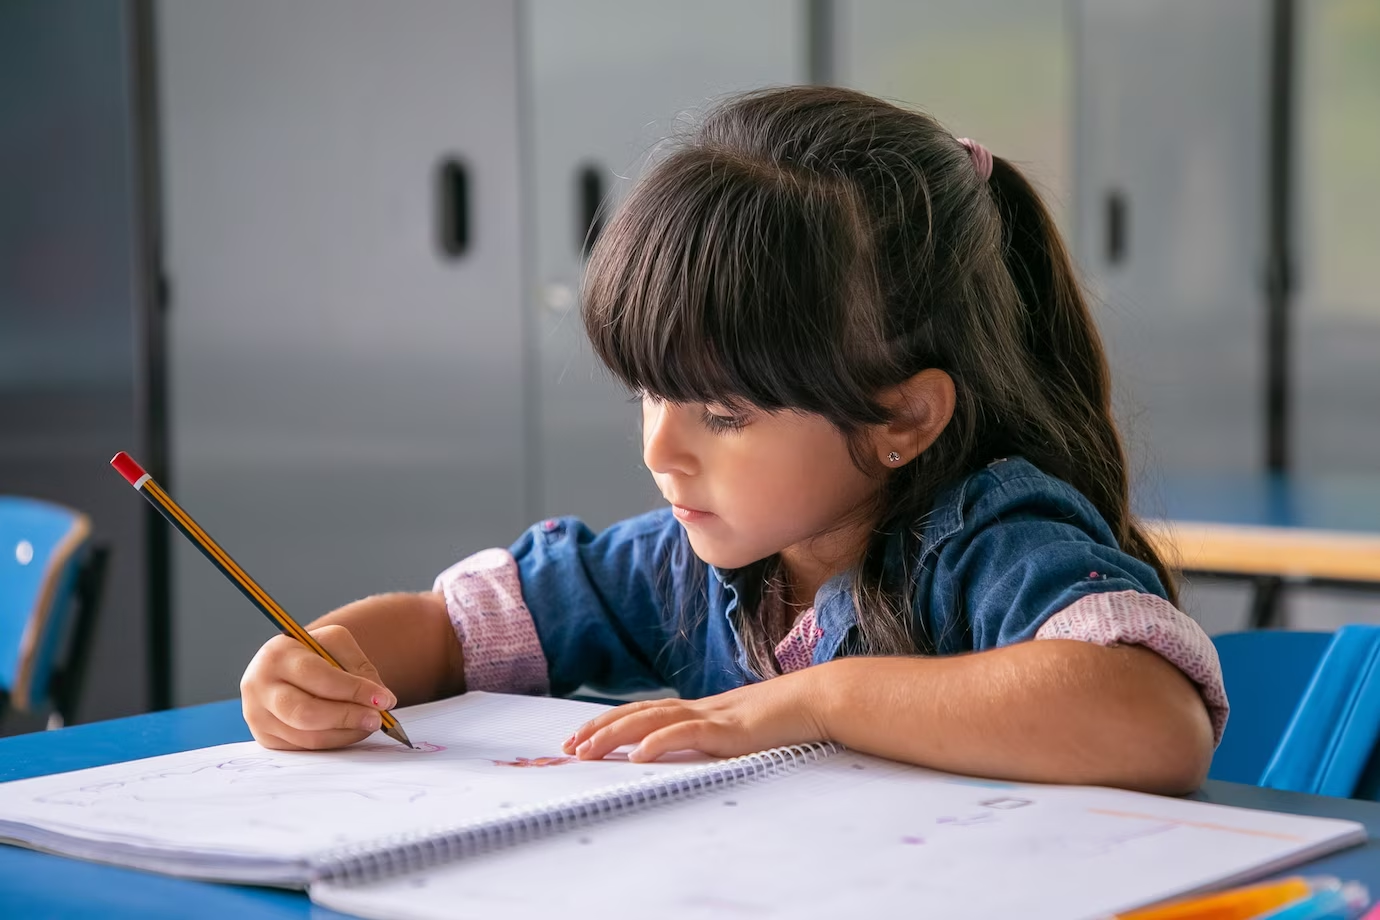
(569, 742)
(383, 701)
(635, 755)
(370, 722)
(584, 747)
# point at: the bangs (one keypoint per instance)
(732, 282)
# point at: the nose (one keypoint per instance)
(665, 448)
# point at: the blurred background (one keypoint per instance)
(315, 264)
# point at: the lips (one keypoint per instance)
(690, 515)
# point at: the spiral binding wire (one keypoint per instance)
(358, 863)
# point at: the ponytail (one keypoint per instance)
(1066, 353)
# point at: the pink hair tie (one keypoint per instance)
(981, 157)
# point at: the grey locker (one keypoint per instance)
(347, 395)
(1335, 418)
(1169, 166)
(608, 79)
(995, 70)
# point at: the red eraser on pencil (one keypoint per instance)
(124, 465)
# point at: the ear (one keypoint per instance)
(921, 406)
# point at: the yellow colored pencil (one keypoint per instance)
(124, 464)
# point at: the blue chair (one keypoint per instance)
(1305, 710)
(50, 577)
(1266, 673)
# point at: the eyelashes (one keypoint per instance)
(721, 423)
(713, 421)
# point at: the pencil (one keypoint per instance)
(124, 464)
(1236, 903)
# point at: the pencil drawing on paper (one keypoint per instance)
(536, 762)
(392, 747)
(980, 817)
(1006, 802)
(239, 780)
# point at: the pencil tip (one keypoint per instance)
(397, 734)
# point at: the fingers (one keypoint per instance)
(311, 674)
(630, 728)
(680, 736)
(294, 698)
(605, 718)
(283, 658)
(306, 712)
(279, 736)
(341, 643)
(289, 714)
(359, 681)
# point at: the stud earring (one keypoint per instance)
(893, 457)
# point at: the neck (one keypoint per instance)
(809, 564)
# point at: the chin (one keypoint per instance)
(723, 557)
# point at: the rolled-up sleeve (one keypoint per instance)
(1034, 560)
(1135, 618)
(497, 636)
(565, 607)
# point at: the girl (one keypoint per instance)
(874, 397)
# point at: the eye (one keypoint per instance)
(721, 421)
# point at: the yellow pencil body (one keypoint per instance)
(181, 520)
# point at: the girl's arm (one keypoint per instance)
(397, 649)
(1057, 711)
(1054, 711)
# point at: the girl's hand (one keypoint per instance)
(743, 721)
(295, 699)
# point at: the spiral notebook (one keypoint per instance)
(488, 816)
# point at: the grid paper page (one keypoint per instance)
(855, 836)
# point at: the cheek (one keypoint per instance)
(809, 485)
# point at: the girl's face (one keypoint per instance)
(746, 486)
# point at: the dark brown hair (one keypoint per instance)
(807, 247)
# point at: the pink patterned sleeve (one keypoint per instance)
(484, 598)
(1135, 618)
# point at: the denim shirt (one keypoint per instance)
(1002, 551)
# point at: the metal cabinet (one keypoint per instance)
(1336, 359)
(346, 347)
(606, 80)
(354, 404)
(995, 70)
(1170, 162)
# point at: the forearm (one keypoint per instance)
(1046, 711)
(409, 638)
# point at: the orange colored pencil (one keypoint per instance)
(1234, 904)
(124, 464)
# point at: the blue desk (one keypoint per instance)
(37, 885)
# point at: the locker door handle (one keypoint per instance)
(589, 193)
(453, 207)
(1116, 226)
